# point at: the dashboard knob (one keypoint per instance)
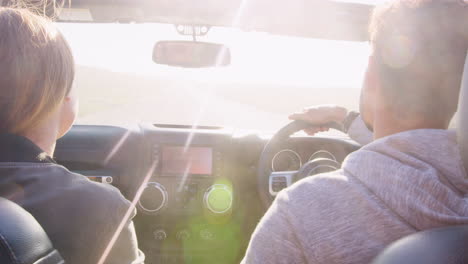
(160, 234)
(183, 235)
(207, 234)
(218, 198)
(153, 199)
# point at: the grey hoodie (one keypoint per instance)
(391, 188)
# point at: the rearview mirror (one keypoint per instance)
(190, 54)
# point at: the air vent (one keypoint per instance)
(187, 127)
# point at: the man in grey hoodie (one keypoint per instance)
(410, 178)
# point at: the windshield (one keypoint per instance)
(269, 77)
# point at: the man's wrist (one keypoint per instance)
(348, 120)
(339, 115)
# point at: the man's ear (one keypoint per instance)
(372, 77)
(370, 89)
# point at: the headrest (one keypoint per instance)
(22, 239)
(462, 122)
(442, 245)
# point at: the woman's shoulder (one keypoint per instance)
(100, 195)
(75, 212)
(61, 187)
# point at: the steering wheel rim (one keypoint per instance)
(264, 166)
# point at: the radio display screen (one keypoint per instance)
(176, 160)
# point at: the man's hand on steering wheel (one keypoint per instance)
(319, 116)
(312, 120)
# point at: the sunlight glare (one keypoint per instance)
(128, 213)
(120, 84)
(235, 22)
(256, 57)
(117, 147)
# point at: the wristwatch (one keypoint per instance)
(349, 119)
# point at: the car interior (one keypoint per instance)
(200, 190)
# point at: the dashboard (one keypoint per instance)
(199, 199)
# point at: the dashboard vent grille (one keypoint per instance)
(187, 127)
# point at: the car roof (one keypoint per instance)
(327, 19)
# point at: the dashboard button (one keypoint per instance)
(183, 235)
(207, 234)
(160, 235)
(193, 188)
(278, 186)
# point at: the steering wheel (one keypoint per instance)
(269, 183)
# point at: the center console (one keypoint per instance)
(187, 180)
(187, 208)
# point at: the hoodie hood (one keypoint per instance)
(417, 174)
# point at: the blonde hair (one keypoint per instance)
(46, 8)
(36, 66)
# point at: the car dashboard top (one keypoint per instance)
(198, 185)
